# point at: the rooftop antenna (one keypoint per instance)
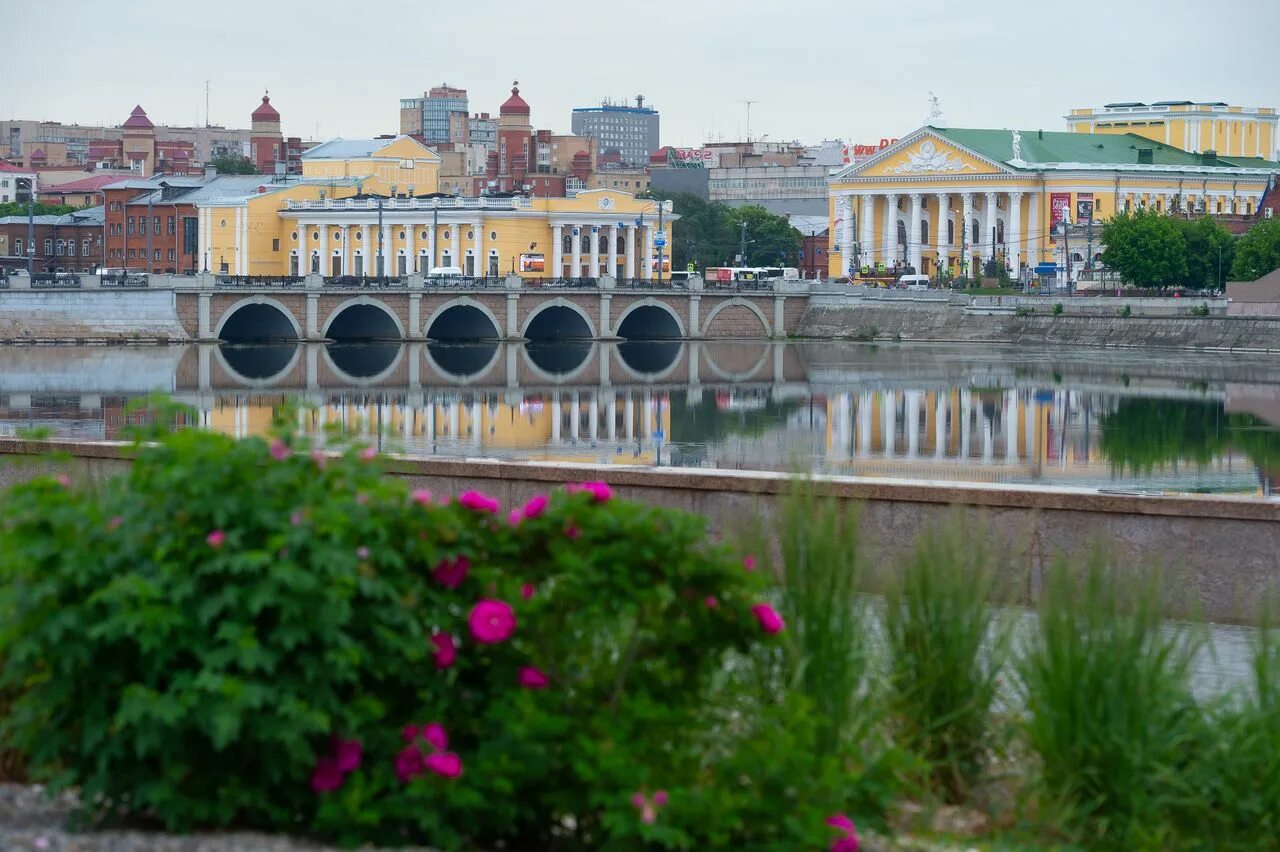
(748, 103)
(206, 104)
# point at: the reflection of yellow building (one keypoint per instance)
(329, 223)
(953, 198)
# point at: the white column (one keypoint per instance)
(454, 419)
(1013, 239)
(455, 244)
(943, 200)
(477, 422)
(593, 231)
(304, 256)
(385, 250)
(842, 428)
(913, 232)
(890, 247)
(1033, 227)
(912, 399)
(575, 416)
(868, 224)
(613, 249)
(1011, 427)
(889, 415)
(966, 415)
(988, 239)
(482, 265)
(239, 253)
(576, 270)
(555, 417)
(939, 424)
(988, 439)
(846, 235)
(966, 210)
(346, 249)
(557, 256)
(611, 412)
(629, 413)
(324, 249)
(434, 258)
(411, 256)
(593, 413)
(646, 271)
(865, 403)
(631, 251)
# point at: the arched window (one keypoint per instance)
(622, 242)
(566, 244)
(951, 232)
(974, 231)
(586, 242)
(902, 233)
(604, 242)
(924, 232)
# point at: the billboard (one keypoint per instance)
(853, 153)
(691, 158)
(1084, 207)
(1059, 208)
(533, 263)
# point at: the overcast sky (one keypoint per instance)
(818, 69)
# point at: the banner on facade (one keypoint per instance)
(533, 263)
(1084, 208)
(1059, 208)
(855, 153)
(691, 158)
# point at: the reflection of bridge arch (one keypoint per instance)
(265, 310)
(356, 381)
(559, 378)
(659, 347)
(364, 305)
(462, 302)
(544, 310)
(649, 302)
(244, 381)
(468, 378)
(736, 301)
(741, 375)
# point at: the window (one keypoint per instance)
(131, 226)
(155, 225)
(71, 248)
(171, 228)
(17, 248)
(171, 254)
(48, 246)
(60, 248)
(156, 254)
(402, 235)
(275, 246)
(493, 235)
(133, 253)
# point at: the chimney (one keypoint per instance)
(210, 171)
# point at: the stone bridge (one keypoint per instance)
(414, 308)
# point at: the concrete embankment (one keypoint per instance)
(91, 316)
(1217, 553)
(943, 322)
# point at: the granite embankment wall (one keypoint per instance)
(1218, 552)
(89, 315)
(941, 322)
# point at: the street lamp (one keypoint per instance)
(31, 222)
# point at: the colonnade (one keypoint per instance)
(585, 259)
(404, 249)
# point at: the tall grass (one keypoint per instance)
(1109, 709)
(947, 645)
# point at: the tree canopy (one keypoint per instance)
(19, 208)
(1146, 247)
(709, 233)
(1210, 248)
(230, 164)
(1258, 251)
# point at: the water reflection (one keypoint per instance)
(1123, 421)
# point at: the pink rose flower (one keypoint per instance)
(114, 523)
(849, 841)
(514, 518)
(296, 519)
(421, 496)
(446, 650)
(409, 733)
(362, 553)
(446, 764)
(492, 621)
(527, 591)
(216, 539)
(369, 453)
(535, 507)
(320, 459)
(410, 763)
(532, 677)
(434, 734)
(845, 844)
(599, 491)
(477, 502)
(571, 531)
(279, 450)
(326, 777)
(348, 754)
(770, 621)
(64, 480)
(660, 798)
(711, 602)
(647, 807)
(749, 563)
(451, 572)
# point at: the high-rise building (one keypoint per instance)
(1197, 127)
(429, 116)
(631, 130)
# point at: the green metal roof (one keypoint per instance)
(1047, 146)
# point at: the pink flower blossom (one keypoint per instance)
(216, 539)
(660, 798)
(571, 531)
(527, 591)
(434, 734)
(647, 807)
(599, 491)
(114, 523)
(514, 518)
(749, 563)
(711, 602)
(446, 764)
(64, 480)
(320, 459)
(535, 507)
(348, 754)
(477, 502)
(362, 553)
(326, 777)
(841, 822)
(849, 841)
(361, 498)
(410, 763)
(451, 572)
(845, 844)
(369, 453)
(532, 677)
(770, 621)
(409, 733)
(492, 621)
(296, 519)
(421, 496)
(446, 650)
(279, 450)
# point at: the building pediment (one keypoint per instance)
(923, 154)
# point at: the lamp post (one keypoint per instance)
(31, 224)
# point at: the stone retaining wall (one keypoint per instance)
(89, 315)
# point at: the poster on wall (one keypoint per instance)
(1084, 207)
(1059, 207)
(533, 263)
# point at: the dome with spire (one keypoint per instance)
(138, 119)
(514, 105)
(265, 112)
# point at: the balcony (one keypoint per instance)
(394, 204)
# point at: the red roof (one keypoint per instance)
(38, 154)
(514, 105)
(266, 112)
(138, 118)
(89, 184)
(5, 167)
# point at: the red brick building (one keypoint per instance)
(269, 151)
(69, 243)
(149, 228)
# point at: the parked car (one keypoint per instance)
(914, 282)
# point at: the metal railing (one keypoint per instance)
(4, 282)
(650, 284)
(248, 281)
(55, 281)
(362, 282)
(478, 203)
(562, 283)
(128, 279)
(462, 282)
(764, 285)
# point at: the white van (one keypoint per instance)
(914, 282)
(446, 272)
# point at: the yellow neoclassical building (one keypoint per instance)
(1231, 131)
(955, 198)
(371, 206)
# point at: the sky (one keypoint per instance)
(816, 69)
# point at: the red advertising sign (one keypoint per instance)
(1059, 207)
(859, 152)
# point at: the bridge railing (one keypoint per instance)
(127, 279)
(761, 286)
(4, 281)
(365, 282)
(561, 283)
(650, 284)
(55, 281)
(251, 281)
(463, 282)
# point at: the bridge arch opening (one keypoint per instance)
(649, 322)
(462, 323)
(558, 358)
(558, 322)
(257, 322)
(362, 322)
(649, 357)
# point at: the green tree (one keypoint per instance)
(702, 234)
(771, 239)
(1258, 251)
(229, 164)
(1147, 248)
(19, 208)
(1210, 250)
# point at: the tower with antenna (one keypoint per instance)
(748, 103)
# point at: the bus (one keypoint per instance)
(728, 274)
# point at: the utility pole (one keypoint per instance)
(749, 103)
(964, 253)
(662, 239)
(742, 246)
(150, 197)
(31, 226)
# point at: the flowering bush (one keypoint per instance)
(252, 634)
